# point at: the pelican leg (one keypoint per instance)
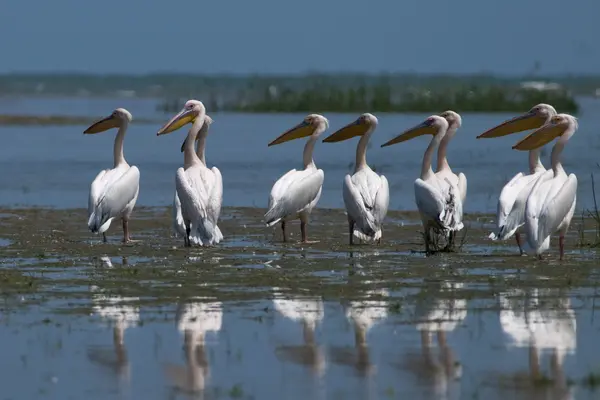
(518, 237)
(303, 231)
(379, 240)
(104, 238)
(427, 240)
(126, 238)
(561, 245)
(186, 241)
(283, 230)
(351, 231)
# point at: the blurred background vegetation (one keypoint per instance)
(319, 92)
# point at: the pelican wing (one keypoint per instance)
(178, 222)
(366, 197)
(439, 203)
(462, 187)
(199, 190)
(556, 207)
(112, 193)
(294, 192)
(382, 200)
(512, 202)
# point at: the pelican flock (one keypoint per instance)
(296, 193)
(551, 203)
(114, 191)
(538, 203)
(511, 203)
(178, 222)
(366, 194)
(437, 199)
(199, 188)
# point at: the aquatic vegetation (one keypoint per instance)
(383, 96)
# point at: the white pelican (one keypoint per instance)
(366, 194)
(296, 193)
(551, 203)
(199, 188)
(114, 191)
(511, 203)
(178, 223)
(443, 170)
(438, 203)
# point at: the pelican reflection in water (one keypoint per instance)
(122, 315)
(363, 315)
(194, 321)
(308, 310)
(440, 312)
(543, 321)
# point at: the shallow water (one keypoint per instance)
(255, 318)
(54, 166)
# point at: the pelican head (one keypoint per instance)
(454, 119)
(433, 125)
(532, 119)
(191, 110)
(312, 123)
(557, 126)
(207, 122)
(359, 127)
(118, 117)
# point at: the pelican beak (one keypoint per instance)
(303, 129)
(540, 137)
(184, 117)
(356, 128)
(527, 121)
(103, 125)
(207, 122)
(424, 128)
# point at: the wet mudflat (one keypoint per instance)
(254, 318)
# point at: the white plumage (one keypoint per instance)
(551, 203)
(113, 192)
(199, 190)
(296, 193)
(510, 215)
(366, 194)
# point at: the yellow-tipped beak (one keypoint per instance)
(103, 125)
(540, 137)
(349, 131)
(422, 129)
(521, 123)
(184, 117)
(301, 130)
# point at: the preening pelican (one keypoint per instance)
(114, 191)
(551, 203)
(443, 168)
(438, 203)
(199, 188)
(366, 194)
(511, 203)
(296, 193)
(178, 223)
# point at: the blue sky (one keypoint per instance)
(279, 36)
